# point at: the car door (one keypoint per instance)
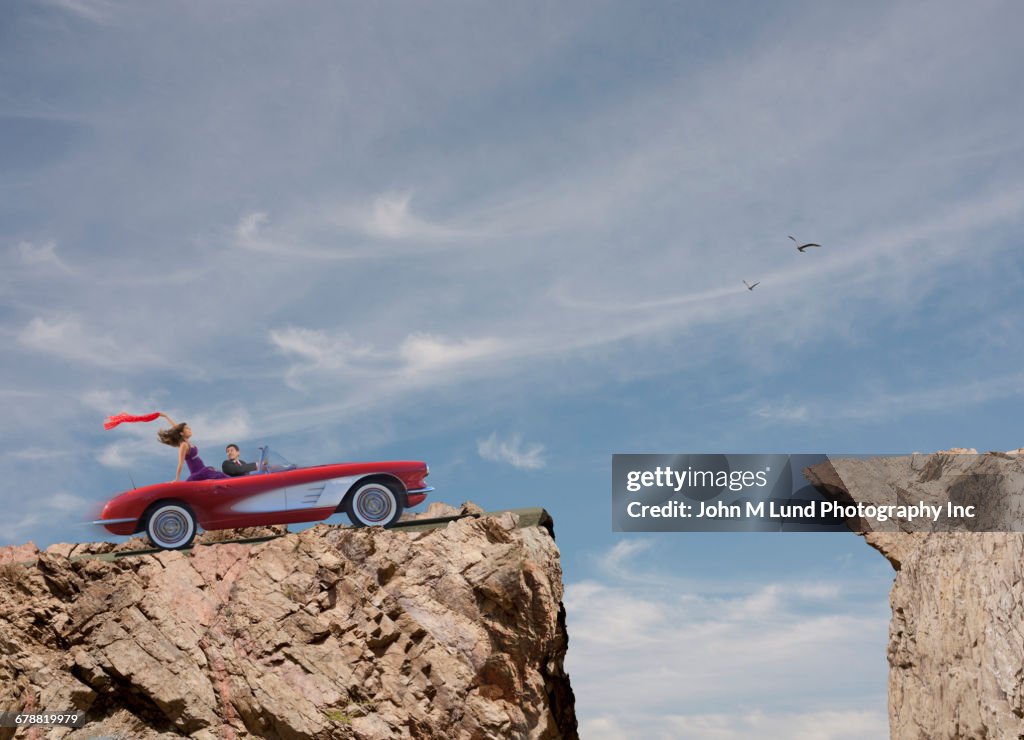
(237, 503)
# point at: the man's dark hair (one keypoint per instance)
(232, 445)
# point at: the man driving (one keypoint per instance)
(235, 465)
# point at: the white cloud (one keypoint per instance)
(787, 413)
(322, 355)
(64, 501)
(127, 453)
(249, 226)
(255, 233)
(14, 529)
(425, 352)
(319, 348)
(419, 360)
(66, 337)
(650, 655)
(332, 231)
(512, 451)
(252, 232)
(389, 217)
(41, 254)
(70, 338)
(616, 562)
(223, 424)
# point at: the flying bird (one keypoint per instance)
(801, 247)
(749, 286)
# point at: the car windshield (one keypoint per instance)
(273, 462)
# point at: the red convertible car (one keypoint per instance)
(277, 492)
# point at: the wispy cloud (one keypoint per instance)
(875, 261)
(420, 358)
(127, 453)
(384, 227)
(513, 451)
(15, 529)
(97, 11)
(877, 404)
(317, 353)
(248, 229)
(422, 352)
(45, 253)
(788, 413)
(616, 562)
(68, 337)
(389, 216)
(47, 506)
(254, 232)
(223, 423)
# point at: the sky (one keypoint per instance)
(510, 240)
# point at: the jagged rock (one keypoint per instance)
(956, 650)
(18, 553)
(456, 632)
(220, 535)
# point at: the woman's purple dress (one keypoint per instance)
(199, 470)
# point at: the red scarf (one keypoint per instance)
(113, 421)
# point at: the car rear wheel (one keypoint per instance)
(171, 526)
(374, 504)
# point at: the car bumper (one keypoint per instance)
(118, 526)
(416, 495)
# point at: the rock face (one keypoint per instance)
(956, 641)
(456, 632)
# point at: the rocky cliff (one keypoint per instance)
(455, 632)
(956, 641)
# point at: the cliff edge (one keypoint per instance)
(455, 632)
(956, 646)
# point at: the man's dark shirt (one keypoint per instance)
(237, 467)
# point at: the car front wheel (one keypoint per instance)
(374, 504)
(171, 526)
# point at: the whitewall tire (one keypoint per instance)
(374, 504)
(171, 526)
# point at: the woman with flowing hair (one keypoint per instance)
(178, 436)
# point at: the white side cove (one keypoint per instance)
(317, 495)
(262, 502)
(321, 494)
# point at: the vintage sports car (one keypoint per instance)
(277, 492)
